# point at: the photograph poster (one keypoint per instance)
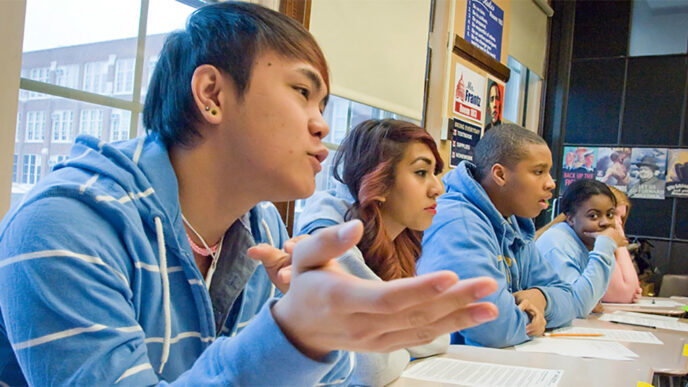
(578, 163)
(494, 105)
(648, 173)
(613, 167)
(677, 173)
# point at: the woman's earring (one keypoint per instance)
(207, 108)
(213, 112)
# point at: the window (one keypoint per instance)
(41, 74)
(67, 76)
(35, 124)
(341, 114)
(124, 76)
(658, 28)
(32, 169)
(17, 134)
(522, 96)
(62, 125)
(55, 159)
(95, 76)
(91, 122)
(119, 125)
(96, 54)
(14, 168)
(337, 115)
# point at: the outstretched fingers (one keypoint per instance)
(432, 292)
(462, 318)
(326, 244)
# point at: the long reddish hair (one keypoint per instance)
(366, 163)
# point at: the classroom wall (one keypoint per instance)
(524, 37)
(12, 32)
(598, 94)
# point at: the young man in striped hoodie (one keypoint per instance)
(128, 265)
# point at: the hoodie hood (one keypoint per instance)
(324, 209)
(461, 182)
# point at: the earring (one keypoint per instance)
(213, 112)
(207, 108)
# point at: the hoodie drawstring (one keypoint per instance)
(165, 293)
(272, 243)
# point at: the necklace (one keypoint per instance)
(213, 251)
(206, 251)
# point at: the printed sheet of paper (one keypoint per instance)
(645, 303)
(646, 320)
(469, 373)
(645, 315)
(611, 335)
(578, 348)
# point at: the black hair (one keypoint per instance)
(580, 191)
(503, 144)
(226, 35)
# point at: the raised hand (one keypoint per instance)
(277, 262)
(327, 309)
(614, 231)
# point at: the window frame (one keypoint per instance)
(65, 130)
(31, 126)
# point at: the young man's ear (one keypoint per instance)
(207, 88)
(498, 173)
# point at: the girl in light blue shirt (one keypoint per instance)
(581, 249)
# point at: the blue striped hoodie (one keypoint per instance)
(98, 284)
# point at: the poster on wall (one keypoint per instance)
(484, 26)
(469, 94)
(677, 173)
(613, 166)
(648, 173)
(493, 107)
(464, 136)
(578, 163)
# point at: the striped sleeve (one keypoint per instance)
(65, 300)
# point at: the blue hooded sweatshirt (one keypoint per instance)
(329, 208)
(471, 238)
(588, 272)
(98, 284)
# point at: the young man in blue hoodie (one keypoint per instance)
(128, 265)
(483, 228)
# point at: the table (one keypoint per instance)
(665, 359)
(577, 371)
(671, 311)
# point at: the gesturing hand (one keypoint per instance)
(327, 309)
(277, 262)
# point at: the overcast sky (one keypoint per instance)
(53, 23)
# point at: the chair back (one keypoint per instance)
(674, 285)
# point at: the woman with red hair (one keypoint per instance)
(389, 170)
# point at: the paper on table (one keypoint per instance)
(645, 315)
(645, 321)
(578, 348)
(469, 373)
(646, 303)
(611, 335)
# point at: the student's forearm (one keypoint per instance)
(624, 280)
